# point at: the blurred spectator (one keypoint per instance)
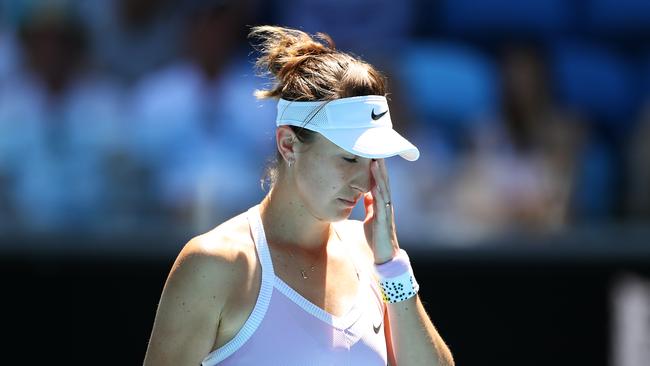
(8, 65)
(526, 139)
(9, 57)
(197, 125)
(487, 173)
(58, 122)
(597, 83)
(132, 37)
(519, 176)
(543, 133)
(451, 91)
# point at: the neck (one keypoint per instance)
(288, 222)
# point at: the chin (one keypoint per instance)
(333, 215)
(342, 214)
(332, 211)
(340, 217)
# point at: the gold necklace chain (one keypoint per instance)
(303, 271)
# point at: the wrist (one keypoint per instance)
(385, 256)
(396, 279)
(385, 252)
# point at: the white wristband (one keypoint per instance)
(396, 278)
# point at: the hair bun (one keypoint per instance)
(306, 67)
(283, 50)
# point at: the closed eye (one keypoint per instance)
(351, 160)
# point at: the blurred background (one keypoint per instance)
(129, 126)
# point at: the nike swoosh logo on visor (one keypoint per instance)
(377, 116)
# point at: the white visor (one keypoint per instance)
(359, 125)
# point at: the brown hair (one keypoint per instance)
(309, 68)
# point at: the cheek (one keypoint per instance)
(324, 178)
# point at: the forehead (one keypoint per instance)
(324, 146)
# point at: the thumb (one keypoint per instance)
(368, 202)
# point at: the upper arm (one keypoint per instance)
(187, 317)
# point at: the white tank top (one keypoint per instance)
(285, 328)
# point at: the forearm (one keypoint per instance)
(415, 341)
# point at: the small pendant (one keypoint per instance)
(304, 276)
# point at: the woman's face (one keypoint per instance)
(329, 180)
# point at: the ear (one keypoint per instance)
(286, 140)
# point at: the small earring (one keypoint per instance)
(290, 163)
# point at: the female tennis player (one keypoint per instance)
(292, 281)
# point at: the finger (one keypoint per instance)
(376, 177)
(368, 202)
(373, 181)
(381, 181)
(379, 204)
(384, 171)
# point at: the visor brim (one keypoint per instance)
(373, 143)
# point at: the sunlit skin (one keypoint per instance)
(214, 286)
(214, 283)
(321, 186)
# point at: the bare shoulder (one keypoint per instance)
(198, 289)
(222, 254)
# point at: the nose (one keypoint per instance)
(363, 180)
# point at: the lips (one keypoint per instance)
(348, 202)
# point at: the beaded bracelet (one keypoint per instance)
(396, 278)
